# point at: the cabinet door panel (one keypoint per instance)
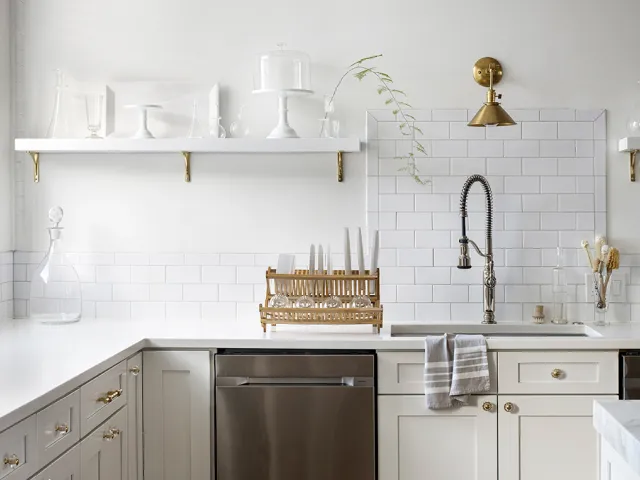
(549, 437)
(103, 453)
(67, 467)
(177, 418)
(134, 416)
(415, 443)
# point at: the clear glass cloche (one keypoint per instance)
(282, 70)
(55, 294)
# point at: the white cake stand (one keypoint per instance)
(143, 129)
(283, 129)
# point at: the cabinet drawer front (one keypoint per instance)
(103, 453)
(402, 373)
(58, 427)
(552, 372)
(18, 457)
(67, 467)
(102, 397)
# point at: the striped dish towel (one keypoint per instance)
(454, 368)
(470, 367)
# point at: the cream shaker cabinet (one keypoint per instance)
(549, 437)
(415, 443)
(177, 415)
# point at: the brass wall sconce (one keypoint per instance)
(488, 72)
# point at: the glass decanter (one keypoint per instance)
(239, 128)
(559, 291)
(55, 295)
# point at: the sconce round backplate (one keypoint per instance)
(481, 71)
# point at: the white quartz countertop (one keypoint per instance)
(619, 424)
(41, 363)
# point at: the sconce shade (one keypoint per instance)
(491, 113)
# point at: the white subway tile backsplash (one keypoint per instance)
(504, 166)
(585, 221)
(184, 274)
(414, 293)
(507, 203)
(539, 166)
(522, 184)
(124, 292)
(235, 293)
(400, 312)
(433, 275)
(237, 259)
(219, 274)
(585, 185)
(132, 259)
(183, 310)
(433, 130)
(113, 274)
(446, 221)
(86, 258)
(468, 166)
(450, 293)
(386, 221)
(575, 166)
(90, 291)
(521, 148)
(540, 239)
(522, 293)
(251, 274)
(485, 148)
(433, 239)
(525, 114)
(557, 184)
(523, 258)
(386, 184)
(200, 293)
(540, 203)
(576, 203)
(148, 274)
(540, 130)
(512, 132)
(413, 221)
(466, 312)
(398, 276)
(148, 310)
(219, 311)
(557, 148)
(449, 115)
(397, 239)
(433, 312)
(557, 221)
(585, 148)
(522, 221)
(432, 166)
(575, 130)
(449, 148)
(166, 259)
(165, 293)
(202, 259)
(407, 184)
(415, 257)
(119, 310)
(397, 203)
(461, 131)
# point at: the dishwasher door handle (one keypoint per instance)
(294, 381)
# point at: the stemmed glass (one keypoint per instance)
(93, 104)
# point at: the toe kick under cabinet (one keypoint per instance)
(534, 424)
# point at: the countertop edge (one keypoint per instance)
(616, 434)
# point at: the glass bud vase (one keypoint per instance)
(55, 295)
(601, 301)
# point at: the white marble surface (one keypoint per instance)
(40, 363)
(619, 424)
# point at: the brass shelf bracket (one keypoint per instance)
(340, 167)
(187, 166)
(632, 165)
(35, 156)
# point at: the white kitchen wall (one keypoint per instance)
(254, 205)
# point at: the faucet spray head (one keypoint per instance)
(464, 260)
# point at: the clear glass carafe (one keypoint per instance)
(55, 295)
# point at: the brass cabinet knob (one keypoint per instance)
(110, 396)
(111, 434)
(487, 406)
(508, 407)
(62, 428)
(12, 460)
(556, 373)
(135, 370)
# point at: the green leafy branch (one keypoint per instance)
(361, 70)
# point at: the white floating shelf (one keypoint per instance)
(193, 145)
(632, 146)
(186, 146)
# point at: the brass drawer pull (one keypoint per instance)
(110, 396)
(487, 406)
(135, 370)
(12, 460)
(556, 373)
(111, 434)
(62, 428)
(508, 407)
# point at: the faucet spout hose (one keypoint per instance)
(488, 204)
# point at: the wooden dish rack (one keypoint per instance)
(319, 286)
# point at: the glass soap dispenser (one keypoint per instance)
(55, 295)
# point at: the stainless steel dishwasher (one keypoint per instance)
(295, 416)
